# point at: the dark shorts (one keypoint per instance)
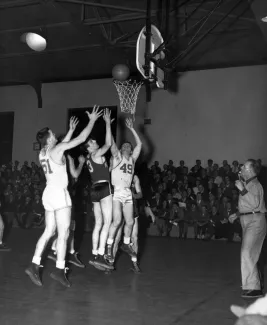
(99, 191)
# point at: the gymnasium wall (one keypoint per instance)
(219, 114)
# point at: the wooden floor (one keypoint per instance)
(183, 282)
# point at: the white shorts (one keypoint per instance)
(56, 198)
(124, 195)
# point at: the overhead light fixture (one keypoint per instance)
(264, 19)
(35, 41)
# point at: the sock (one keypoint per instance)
(36, 260)
(110, 241)
(95, 252)
(126, 240)
(1, 242)
(134, 259)
(101, 251)
(72, 251)
(60, 265)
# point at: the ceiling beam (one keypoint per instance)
(13, 4)
(87, 22)
(101, 5)
(232, 16)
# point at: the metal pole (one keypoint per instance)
(14, 4)
(148, 39)
(94, 4)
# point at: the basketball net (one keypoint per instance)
(128, 93)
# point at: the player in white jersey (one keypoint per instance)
(122, 171)
(56, 199)
(137, 195)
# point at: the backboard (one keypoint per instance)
(155, 73)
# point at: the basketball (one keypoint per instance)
(121, 72)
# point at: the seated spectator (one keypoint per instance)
(190, 195)
(9, 208)
(37, 214)
(223, 207)
(191, 217)
(212, 202)
(220, 224)
(229, 186)
(204, 192)
(203, 223)
(200, 202)
(209, 169)
(177, 216)
(179, 170)
(25, 212)
(235, 167)
(175, 194)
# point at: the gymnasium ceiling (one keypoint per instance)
(86, 38)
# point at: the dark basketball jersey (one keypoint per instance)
(99, 172)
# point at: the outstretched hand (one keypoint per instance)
(95, 113)
(73, 123)
(129, 123)
(106, 115)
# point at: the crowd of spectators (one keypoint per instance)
(201, 198)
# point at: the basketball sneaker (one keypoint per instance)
(128, 248)
(74, 259)
(34, 273)
(109, 256)
(100, 261)
(60, 276)
(135, 267)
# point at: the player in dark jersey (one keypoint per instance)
(137, 195)
(101, 194)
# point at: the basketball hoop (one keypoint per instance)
(128, 93)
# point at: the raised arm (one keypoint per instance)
(75, 172)
(101, 151)
(138, 147)
(114, 149)
(73, 123)
(59, 149)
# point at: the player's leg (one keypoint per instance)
(50, 228)
(3, 246)
(134, 240)
(96, 231)
(116, 222)
(73, 256)
(63, 220)
(52, 254)
(128, 215)
(106, 209)
(117, 240)
(134, 237)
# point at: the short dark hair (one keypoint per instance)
(128, 142)
(42, 136)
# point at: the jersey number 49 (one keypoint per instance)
(127, 168)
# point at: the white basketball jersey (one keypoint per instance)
(122, 174)
(55, 174)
